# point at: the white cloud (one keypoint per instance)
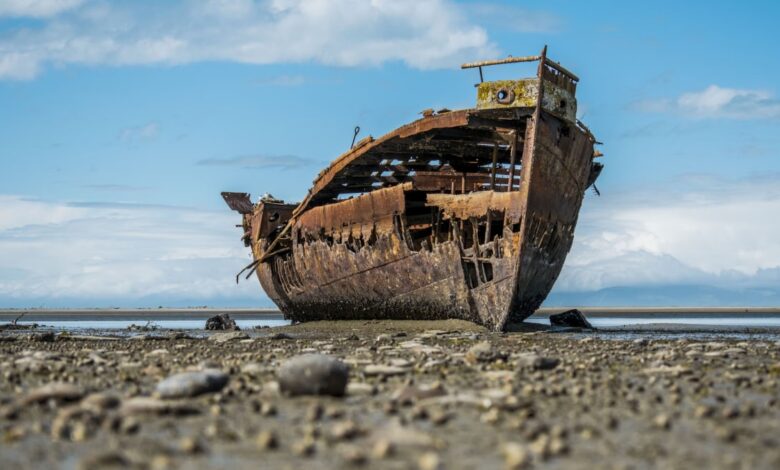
(147, 131)
(715, 101)
(36, 8)
(422, 34)
(710, 231)
(119, 253)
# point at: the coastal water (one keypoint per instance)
(196, 319)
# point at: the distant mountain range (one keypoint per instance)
(668, 296)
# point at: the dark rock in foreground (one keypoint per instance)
(313, 374)
(570, 318)
(221, 322)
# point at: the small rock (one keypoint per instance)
(221, 322)
(106, 459)
(439, 417)
(279, 336)
(383, 370)
(360, 388)
(190, 384)
(353, 455)
(101, 401)
(62, 392)
(253, 368)
(536, 362)
(74, 423)
(382, 449)
(45, 337)
(154, 406)
(516, 457)
(403, 436)
(220, 338)
(429, 461)
(345, 430)
(570, 318)
(268, 409)
(314, 412)
(313, 374)
(306, 447)
(704, 411)
(412, 393)
(191, 445)
(662, 421)
(540, 447)
(483, 352)
(267, 440)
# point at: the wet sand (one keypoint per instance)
(420, 395)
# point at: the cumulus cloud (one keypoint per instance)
(57, 253)
(422, 34)
(36, 8)
(715, 101)
(708, 231)
(253, 162)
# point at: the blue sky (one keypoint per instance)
(122, 121)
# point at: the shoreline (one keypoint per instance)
(205, 312)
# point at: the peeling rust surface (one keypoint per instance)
(463, 214)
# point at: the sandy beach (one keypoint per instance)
(420, 395)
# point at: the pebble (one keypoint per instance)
(220, 338)
(412, 393)
(279, 336)
(662, 421)
(345, 430)
(191, 445)
(429, 461)
(383, 370)
(57, 391)
(154, 406)
(536, 362)
(516, 457)
(382, 449)
(101, 401)
(253, 368)
(313, 374)
(306, 447)
(360, 388)
(267, 440)
(483, 352)
(190, 384)
(353, 455)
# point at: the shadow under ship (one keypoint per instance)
(465, 214)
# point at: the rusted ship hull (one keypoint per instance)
(462, 214)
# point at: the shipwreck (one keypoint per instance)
(464, 214)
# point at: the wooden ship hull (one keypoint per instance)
(464, 214)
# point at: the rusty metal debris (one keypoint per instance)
(461, 214)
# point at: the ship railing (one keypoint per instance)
(548, 70)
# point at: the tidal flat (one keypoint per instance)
(419, 394)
